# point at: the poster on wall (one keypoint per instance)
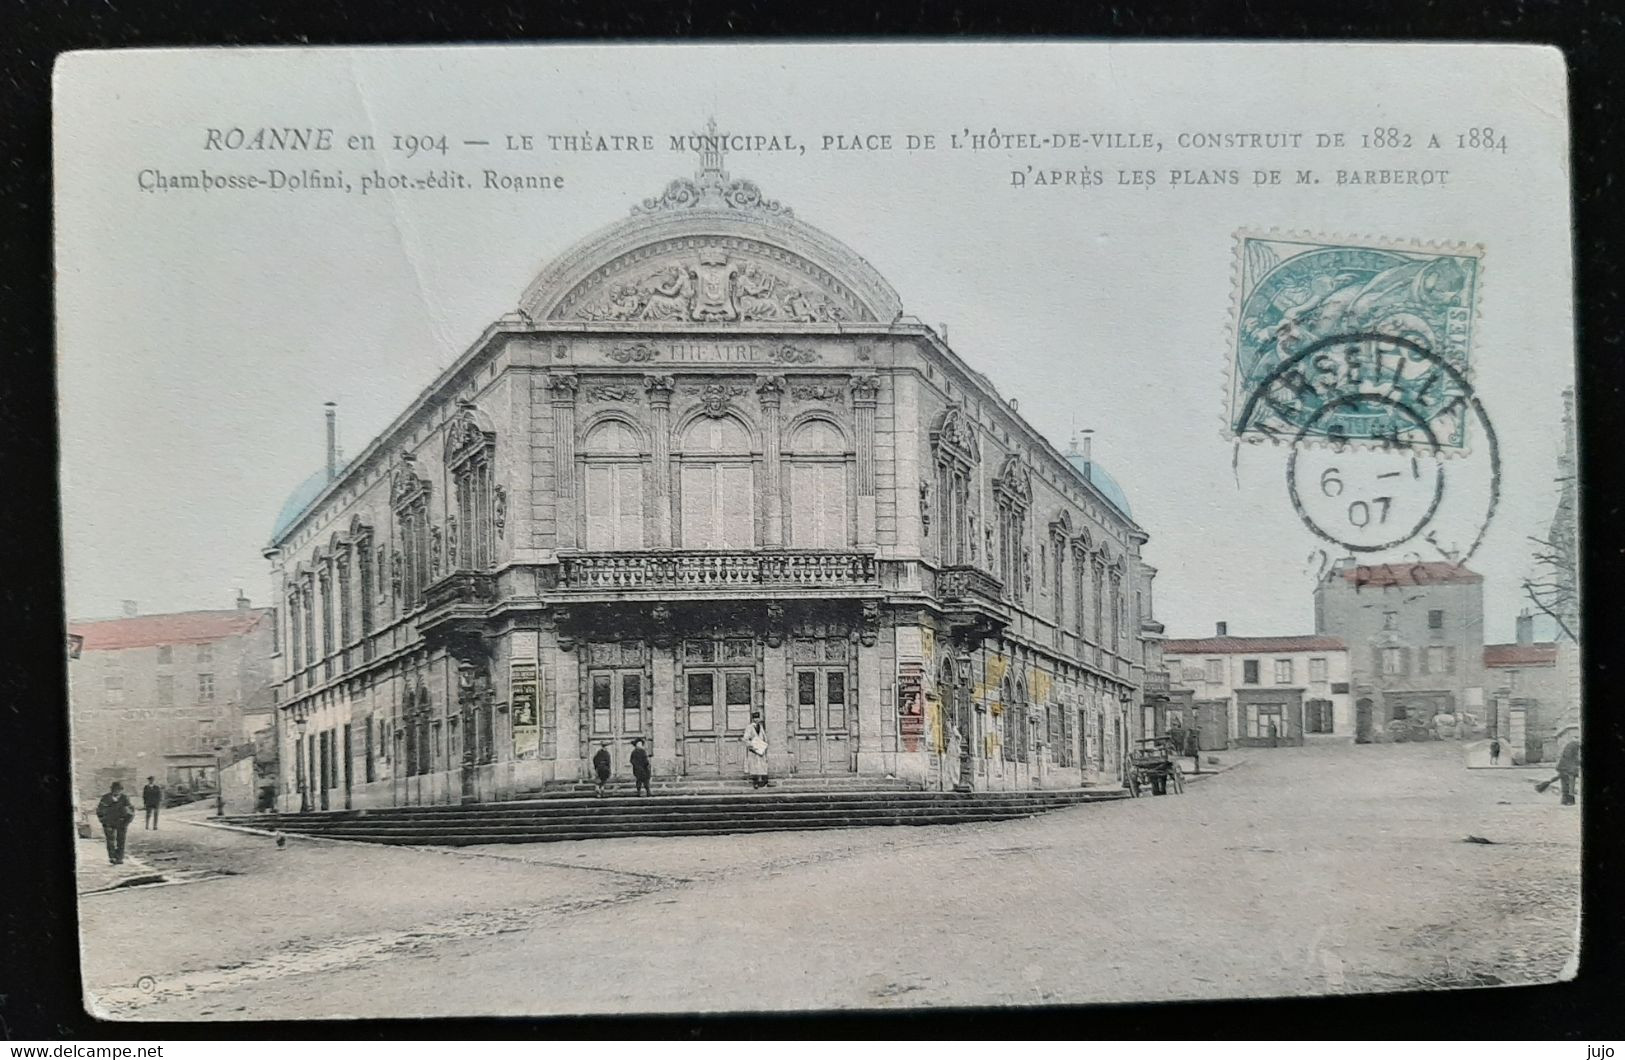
(522, 681)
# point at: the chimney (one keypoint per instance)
(1526, 628)
(332, 440)
(242, 601)
(1221, 629)
(130, 609)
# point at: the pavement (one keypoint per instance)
(1322, 869)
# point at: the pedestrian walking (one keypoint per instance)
(1495, 752)
(600, 767)
(152, 797)
(756, 752)
(115, 813)
(1568, 770)
(640, 766)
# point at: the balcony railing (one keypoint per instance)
(460, 588)
(969, 583)
(1156, 680)
(613, 571)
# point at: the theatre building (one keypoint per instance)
(707, 468)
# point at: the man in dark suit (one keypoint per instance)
(601, 767)
(640, 767)
(1568, 770)
(152, 797)
(115, 813)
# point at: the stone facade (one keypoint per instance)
(162, 695)
(707, 469)
(1415, 635)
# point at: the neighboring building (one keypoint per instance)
(1243, 688)
(1415, 637)
(707, 468)
(1529, 692)
(167, 695)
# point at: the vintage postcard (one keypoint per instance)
(686, 529)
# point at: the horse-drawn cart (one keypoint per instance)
(1154, 767)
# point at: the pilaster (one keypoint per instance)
(770, 388)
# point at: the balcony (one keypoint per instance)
(714, 572)
(1156, 680)
(456, 604)
(973, 601)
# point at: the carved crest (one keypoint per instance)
(714, 287)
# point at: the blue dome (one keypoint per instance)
(1092, 472)
(298, 501)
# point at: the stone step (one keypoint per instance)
(553, 819)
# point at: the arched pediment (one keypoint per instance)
(1015, 480)
(953, 435)
(467, 433)
(707, 251)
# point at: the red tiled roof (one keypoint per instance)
(1410, 574)
(1245, 645)
(185, 627)
(1542, 654)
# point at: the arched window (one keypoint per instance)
(1023, 722)
(819, 513)
(612, 481)
(1007, 720)
(409, 496)
(955, 455)
(718, 485)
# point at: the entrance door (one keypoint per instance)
(717, 710)
(1362, 721)
(617, 713)
(822, 721)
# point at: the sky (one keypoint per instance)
(200, 333)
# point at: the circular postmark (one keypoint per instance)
(1379, 456)
(146, 984)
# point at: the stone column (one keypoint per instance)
(771, 390)
(561, 389)
(865, 390)
(659, 388)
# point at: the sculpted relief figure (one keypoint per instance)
(756, 300)
(670, 296)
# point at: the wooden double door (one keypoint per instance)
(617, 714)
(821, 720)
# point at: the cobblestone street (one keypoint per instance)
(1328, 868)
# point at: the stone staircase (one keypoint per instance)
(569, 814)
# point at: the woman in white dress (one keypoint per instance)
(756, 752)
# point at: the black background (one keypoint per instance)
(39, 986)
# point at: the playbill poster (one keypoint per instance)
(676, 529)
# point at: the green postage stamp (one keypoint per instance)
(1357, 343)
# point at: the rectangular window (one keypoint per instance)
(205, 653)
(1249, 672)
(166, 653)
(1213, 671)
(166, 690)
(818, 505)
(807, 700)
(113, 691)
(737, 693)
(702, 699)
(1435, 619)
(1317, 670)
(601, 706)
(205, 688)
(1283, 671)
(1435, 661)
(835, 687)
(1391, 661)
(631, 703)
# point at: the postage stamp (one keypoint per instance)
(1352, 342)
